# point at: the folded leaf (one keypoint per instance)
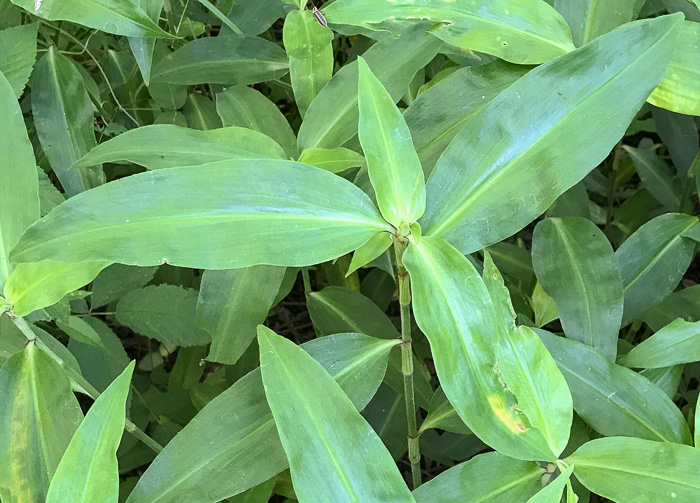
(219, 216)
(525, 32)
(167, 146)
(88, 471)
(518, 164)
(678, 342)
(334, 454)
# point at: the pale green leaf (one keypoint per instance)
(334, 160)
(142, 47)
(18, 54)
(78, 329)
(678, 342)
(552, 492)
(371, 250)
(442, 415)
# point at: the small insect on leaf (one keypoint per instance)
(319, 17)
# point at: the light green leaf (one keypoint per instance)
(12, 340)
(79, 330)
(203, 462)
(657, 177)
(229, 59)
(163, 312)
(632, 470)
(592, 18)
(612, 399)
(454, 309)
(210, 217)
(142, 47)
(88, 471)
(332, 117)
(392, 162)
(334, 454)
(121, 17)
(232, 303)
(36, 285)
(63, 115)
(653, 260)
(38, 416)
(696, 430)
(18, 55)
(166, 146)
(576, 265)
(439, 113)
(552, 493)
(525, 31)
(310, 52)
(518, 164)
(492, 478)
(379, 243)
(334, 160)
(19, 186)
(680, 91)
(678, 342)
(442, 415)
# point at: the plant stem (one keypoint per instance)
(79, 381)
(407, 363)
(307, 280)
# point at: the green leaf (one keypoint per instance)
(334, 454)
(678, 342)
(244, 106)
(490, 477)
(63, 115)
(684, 303)
(680, 91)
(163, 312)
(142, 47)
(379, 243)
(442, 415)
(331, 119)
(653, 260)
(576, 265)
(439, 113)
(88, 471)
(232, 303)
(229, 59)
(38, 416)
(18, 55)
(310, 52)
(19, 186)
(657, 177)
(334, 160)
(632, 470)
(79, 330)
(203, 462)
(592, 18)
(116, 280)
(525, 31)
(167, 146)
(200, 113)
(696, 430)
(392, 162)
(552, 492)
(36, 285)
(612, 399)
(253, 18)
(519, 145)
(680, 136)
(210, 218)
(120, 17)
(455, 310)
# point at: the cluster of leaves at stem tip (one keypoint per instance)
(427, 251)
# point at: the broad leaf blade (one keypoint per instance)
(678, 342)
(525, 32)
(592, 18)
(576, 265)
(394, 168)
(203, 462)
(333, 452)
(18, 55)
(88, 471)
(518, 164)
(310, 214)
(632, 470)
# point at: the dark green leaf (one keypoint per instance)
(658, 177)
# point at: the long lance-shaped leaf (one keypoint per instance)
(19, 185)
(334, 454)
(218, 216)
(38, 416)
(168, 146)
(121, 17)
(633, 470)
(220, 454)
(392, 162)
(543, 134)
(519, 31)
(676, 343)
(592, 18)
(454, 309)
(613, 399)
(492, 478)
(88, 470)
(576, 265)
